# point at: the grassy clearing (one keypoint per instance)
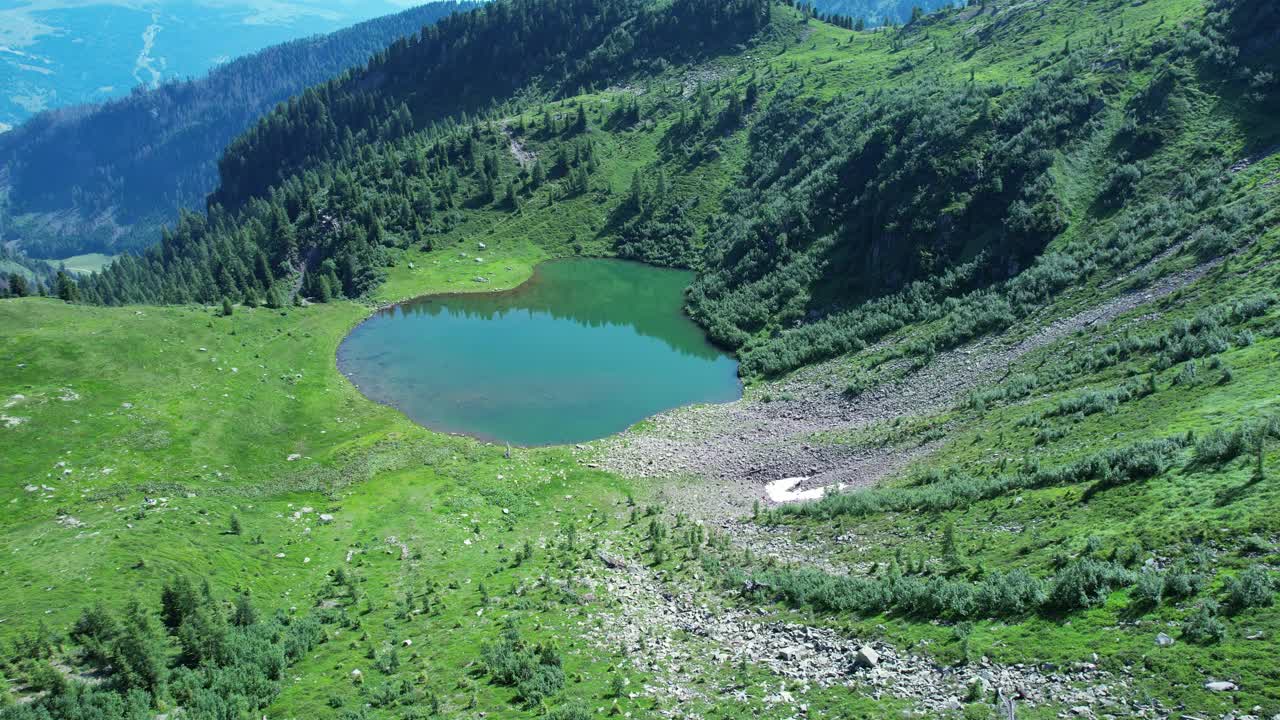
(83, 264)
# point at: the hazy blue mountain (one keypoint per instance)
(877, 12)
(104, 177)
(55, 53)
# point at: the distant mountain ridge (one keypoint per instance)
(104, 178)
(880, 12)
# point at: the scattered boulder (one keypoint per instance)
(1220, 686)
(791, 654)
(1163, 640)
(612, 562)
(867, 657)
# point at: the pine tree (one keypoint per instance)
(203, 637)
(234, 528)
(138, 654)
(65, 287)
(244, 614)
(512, 200)
(18, 285)
(227, 310)
(635, 198)
(275, 298)
(178, 600)
(324, 292)
(95, 631)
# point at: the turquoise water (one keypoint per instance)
(584, 349)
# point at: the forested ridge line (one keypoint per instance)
(105, 177)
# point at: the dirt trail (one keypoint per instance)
(741, 446)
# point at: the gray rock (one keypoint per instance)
(1163, 640)
(867, 657)
(791, 654)
(1220, 686)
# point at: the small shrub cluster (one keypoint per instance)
(1112, 468)
(1081, 584)
(534, 669)
(229, 661)
(1253, 588)
(1209, 333)
(1203, 626)
(1222, 446)
(1090, 402)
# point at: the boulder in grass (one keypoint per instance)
(867, 657)
(1220, 686)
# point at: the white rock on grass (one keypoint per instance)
(1220, 686)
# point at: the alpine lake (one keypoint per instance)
(584, 349)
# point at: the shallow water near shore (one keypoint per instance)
(584, 349)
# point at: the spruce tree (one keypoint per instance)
(138, 654)
(178, 600)
(65, 287)
(227, 309)
(512, 200)
(244, 614)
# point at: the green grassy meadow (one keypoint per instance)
(130, 437)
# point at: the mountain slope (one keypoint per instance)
(61, 53)
(878, 12)
(1003, 287)
(106, 177)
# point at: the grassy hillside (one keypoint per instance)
(1004, 282)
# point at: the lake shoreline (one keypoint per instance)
(637, 303)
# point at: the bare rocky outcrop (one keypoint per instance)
(680, 638)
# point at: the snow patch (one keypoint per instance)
(783, 491)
